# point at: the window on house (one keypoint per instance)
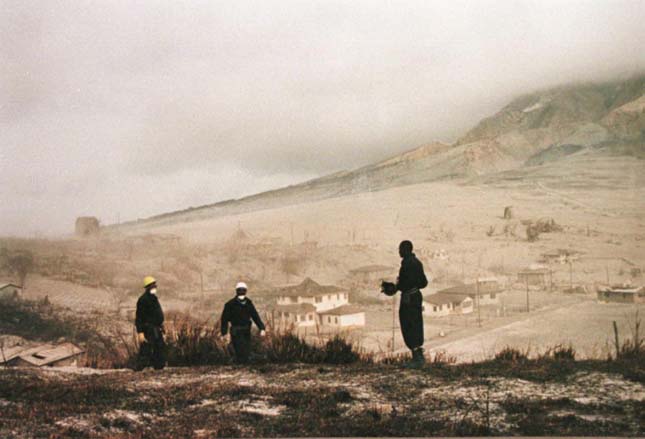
(492, 295)
(311, 317)
(318, 299)
(434, 308)
(335, 319)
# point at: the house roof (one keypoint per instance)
(301, 308)
(342, 310)
(621, 289)
(538, 270)
(372, 269)
(43, 354)
(308, 288)
(3, 286)
(443, 298)
(9, 354)
(47, 354)
(470, 289)
(561, 252)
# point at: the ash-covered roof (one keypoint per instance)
(342, 310)
(486, 287)
(44, 354)
(301, 308)
(372, 269)
(441, 298)
(308, 288)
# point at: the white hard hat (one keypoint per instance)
(241, 285)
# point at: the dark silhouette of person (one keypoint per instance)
(149, 324)
(411, 280)
(238, 313)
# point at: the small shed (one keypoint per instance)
(534, 275)
(346, 316)
(87, 226)
(561, 256)
(9, 290)
(621, 294)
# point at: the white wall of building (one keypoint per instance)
(357, 319)
(341, 321)
(430, 309)
(322, 302)
(298, 319)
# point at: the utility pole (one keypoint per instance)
(528, 309)
(571, 274)
(479, 305)
(463, 273)
(607, 271)
(393, 320)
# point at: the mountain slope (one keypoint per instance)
(534, 129)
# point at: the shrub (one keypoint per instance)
(511, 355)
(559, 353)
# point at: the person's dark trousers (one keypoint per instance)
(152, 351)
(241, 340)
(411, 319)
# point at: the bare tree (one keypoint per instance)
(290, 266)
(21, 265)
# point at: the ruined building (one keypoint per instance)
(87, 226)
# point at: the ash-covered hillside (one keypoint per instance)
(536, 129)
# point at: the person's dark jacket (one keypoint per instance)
(149, 312)
(411, 274)
(239, 313)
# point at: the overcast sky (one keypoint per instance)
(132, 108)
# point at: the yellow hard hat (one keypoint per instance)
(148, 280)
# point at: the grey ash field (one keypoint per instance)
(496, 398)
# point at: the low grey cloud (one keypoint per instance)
(126, 109)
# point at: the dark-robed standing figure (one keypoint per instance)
(410, 282)
(149, 324)
(238, 313)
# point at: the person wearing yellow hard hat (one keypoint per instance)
(149, 324)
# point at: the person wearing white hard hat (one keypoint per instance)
(238, 314)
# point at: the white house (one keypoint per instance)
(301, 315)
(485, 291)
(9, 290)
(441, 304)
(346, 316)
(322, 297)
